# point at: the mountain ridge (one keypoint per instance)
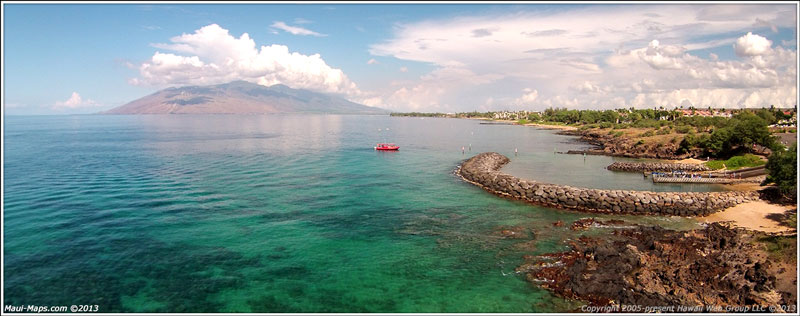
(241, 97)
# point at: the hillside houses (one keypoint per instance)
(516, 115)
(706, 113)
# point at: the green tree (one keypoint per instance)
(589, 117)
(782, 170)
(767, 115)
(720, 141)
(748, 129)
(610, 116)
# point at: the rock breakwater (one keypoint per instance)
(484, 170)
(625, 147)
(655, 166)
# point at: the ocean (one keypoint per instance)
(282, 213)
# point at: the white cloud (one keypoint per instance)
(731, 98)
(588, 87)
(762, 23)
(527, 98)
(426, 93)
(214, 56)
(294, 30)
(75, 101)
(661, 57)
(709, 44)
(752, 45)
(372, 61)
(602, 56)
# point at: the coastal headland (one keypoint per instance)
(643, 269)
(484, 170)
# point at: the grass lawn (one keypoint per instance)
(737, 162)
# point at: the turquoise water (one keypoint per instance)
(279, 213)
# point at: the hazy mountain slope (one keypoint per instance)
(241, 97)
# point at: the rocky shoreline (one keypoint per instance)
(484, 170)
(642, 266)
(655, 166)
(623, 147)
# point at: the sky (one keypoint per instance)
(85, 58)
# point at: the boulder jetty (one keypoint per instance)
(483, 170)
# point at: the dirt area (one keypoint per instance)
(758, 215)
(755, 185)
(690, 161)
(561, 127)
(544, 126)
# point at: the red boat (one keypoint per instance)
(382, 146)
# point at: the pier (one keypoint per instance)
(725, 177)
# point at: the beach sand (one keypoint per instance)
(748, 186)
(544, 126)
(562, 127)
(752, 215)
(689, 161)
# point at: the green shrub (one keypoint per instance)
(647, 134)
(649, 123)
(683, 129)
(782, 170)
(781, 248)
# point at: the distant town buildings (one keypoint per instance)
(707, 113)
(516, 115)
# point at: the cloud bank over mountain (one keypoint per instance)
(211, 55)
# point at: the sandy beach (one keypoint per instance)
(752, 215)
(545, 126)
(748, 186)
(561, 127)
(692, 161)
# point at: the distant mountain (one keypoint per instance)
(241, 97)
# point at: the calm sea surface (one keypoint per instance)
(280, 213)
